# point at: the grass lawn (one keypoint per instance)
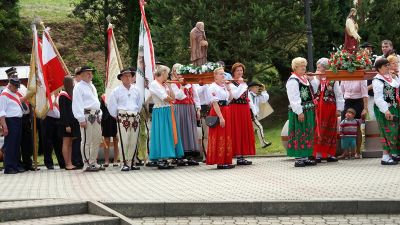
(272, 132)
(47, 10)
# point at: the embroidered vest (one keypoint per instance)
(243, 99)
(389, 93)
(306, 95)
(189, 93)
(329, 93)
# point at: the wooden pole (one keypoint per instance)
(35, 142)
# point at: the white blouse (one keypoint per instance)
(338, 94)
(293, 93)
(237, 91)
(159, 92)
(218, 93)
(378, 86)
(180, 94)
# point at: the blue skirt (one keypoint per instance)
(161, 139)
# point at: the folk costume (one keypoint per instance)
(202, 92)
(220, 144)
(386, 97)
(125, 104)
(329, 99)
(11, 113)
(165, 140)
(255, 101)
(243, 141)
(301, 134)
(185, 105)
(86, 108)
(67, 118)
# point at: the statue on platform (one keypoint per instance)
(198, 45)
(351, 37)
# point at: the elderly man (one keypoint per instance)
(124, 104)
(11, 122)
(86, 109)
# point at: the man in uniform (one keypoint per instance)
(86, 109)
(124, 104)
(11, 122)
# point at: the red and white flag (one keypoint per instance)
(53, 70)
(145, 60)
(114, 63)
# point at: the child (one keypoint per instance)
(348, 133)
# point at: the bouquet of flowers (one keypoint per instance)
(344, 60)
(192, 69)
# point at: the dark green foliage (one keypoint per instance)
(13, 35)
(98, 80)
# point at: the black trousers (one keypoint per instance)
(26, 142)
(52, 141)
(11, 143)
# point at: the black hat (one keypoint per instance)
(251, 84)
(85, 68)
(366, 45)
(131, 71)
(11, 72)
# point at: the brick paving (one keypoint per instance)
(267, 179)
(272, 220)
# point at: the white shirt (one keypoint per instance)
(202, 92)
(158, 93)
(218, 93)
(8, 107)
(239, 90)
(256, 100)
(378, 86)
(180, 94)
(122, 98)
(84, 97)
(293, 93)
(338, 94)
(55, 113)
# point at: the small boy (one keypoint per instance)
(348, 133)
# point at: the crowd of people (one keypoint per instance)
(80, 121)
(316, 103)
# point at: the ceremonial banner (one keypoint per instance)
(145, 60)
(114, 63)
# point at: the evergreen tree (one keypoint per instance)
(13, 34)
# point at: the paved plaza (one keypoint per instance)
(273, 220)
(268, 179)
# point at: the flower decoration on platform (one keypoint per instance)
(192, 69)
(345, 60)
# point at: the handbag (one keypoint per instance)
(212, 121)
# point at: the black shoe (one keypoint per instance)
(139, 163)
(164, 165)
(31, 168)
(310, 162)
(20, 170)
(135, 168)
(152, 164)
(225, 166)
(192, 162)
(125, 168)
(106, 165)
(50, 167)
(266, 144)
(92, 168)
(389, 162)
(299, 163)
(10, 171)
(243, 162)
(318, 160)
(396, 158)
(101, 167)
(332, 159)
(181, 162)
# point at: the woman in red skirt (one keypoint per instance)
(330, 104)
(219, 149)
(242, 133)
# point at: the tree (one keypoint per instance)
(255, 33)
(13, 35)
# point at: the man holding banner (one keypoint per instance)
(124, 104)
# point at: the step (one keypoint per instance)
(31, 209)
(81, 219)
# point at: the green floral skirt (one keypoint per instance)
(389, 130)
(301, 134)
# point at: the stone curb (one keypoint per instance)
(97, 208)
(173, 209)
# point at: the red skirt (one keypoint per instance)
(219, 148)
(326, 124)
(243, 142)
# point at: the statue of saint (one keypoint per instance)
(198, 45)
(351, 37)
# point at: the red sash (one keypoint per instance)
(8, 95)
(65, 94)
